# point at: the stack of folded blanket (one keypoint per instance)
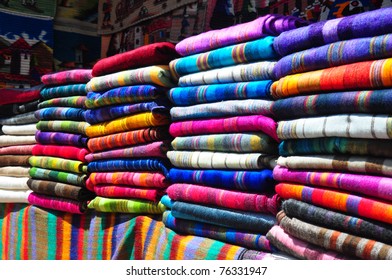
(128, 113)
(17, 138)
(225, 143)
(334, 105)
(58, 166)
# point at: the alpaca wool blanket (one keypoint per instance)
(58, 176)
(351, 204)
(13, 183)
(239, 73)
(14, 171)
(57, 189)
(74, 76)
(9, 110)
(335, 54)
(123, 191)
(14, 160)
(254, 181)
(12, 95)
(367, 101)
(341, 242)
(241, 220)
(118, 205)
(57, 203)
(14, 196)
(57, 163)
(130, 138)
(157, 75)
(167, 201)
(341, 163)
(61, 138)
(12, 140)
(72, 101)
(151, 54)
(127, 123)
(299, 248)
(26, 118)
(337, 221)
(17, 150)
(75, 127)
(368, 24)
(252, 51)
(63, 91)
(23, 129)
(60, 113)
(227, 108)
(364, 75)
(229, 199)
(218, 160)
(66, 152)
(109, 165)
(228, 235)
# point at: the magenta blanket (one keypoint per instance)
(75, 76)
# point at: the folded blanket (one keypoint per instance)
(355, 164)
(376, 102)
(76, 127)
(14, 160)
(337, 200)
(336, 145)
(74, 76)
(217, 160)
(57, 203)
(12, 95)
(12, 140)
(341, 242)
(14, 171)
(228, 235)
(123, 191)
(13, 183)
(229, 199)
(167, 201)
(102, 204)
(222, 109)
(60, 113)
(9, 110)
(22, 129)
(155, 149)
(345, 125)
(130, 138)
(239, 73)
(298, 248)
(61, 138)
(56, 189)
(257, 50)
(63, 91)
(364, 75)
(242, 220)
(157, 75)
(57, 163)
(58, 176)
(185, 96)
(338, 221)
(66, 152)
(25, 118)
(12, 196)
(160, 165)
(335, 54)
(368, 24)
(151, 54)
(72, 101)
(17, 150)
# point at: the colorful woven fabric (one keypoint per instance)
(60, 138)
(77, 127)
(13, 183)
(356, 76)
(63, 91)
(67, 152)
(14, 196)
(127, 123)
(217, 160)
(58, 176)
(26, 118)
(17, 150)
(57, 203)
(57, 163)
(14, 160)
(129, 165)
(376, 102)
(151, 54)
(23, 129)
(368, 24)
(185, 96)
(12, 95)
(12, 140)
(167, 201)
(14, 171)
(229, 199)
(74, 76)
(123, 191)
(337, 200)
(60, 113)
(222, 109)
(72, 101)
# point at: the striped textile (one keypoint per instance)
(364, 75)
(257, 50)
(17, 150)
(368, 24)
(23, 129)
(123, 191)
(229, 199)
(66, 152)
(218, 160)
(129, 165)
(58, 176)
(127, 123)
(13, 183)
(367, 101)
(222, 109)
(157, 75)
(362, 207)
(77, 127)
(12, 140)
(57, 163)
(185, 96)
(63, 91)
(72, 101)
(26, 118)
(345, 125)
(14, 196)
(14, 171)
(14, 160)
(60, 138)
(254, 181)
(337, 221)
(74, 76)
(57, 203)
(256, 71)
(60, 113)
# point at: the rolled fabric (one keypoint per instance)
(129, 138)
(151, 54)
(57, 203)
(185, 96)
(157, 75)
(74, 76)
(60, 113)
(23, 129)
(337, 200)
(368, 101)
(129, 165)
(345, 125)
(12, 140)
(14, 160)
(14, 171)
(72, 101)
(123, 191)
(25, 118)
(58, 176)
(375, 74)
(368, 24)
(229, 199)
(338, 221)
(12, 196)
(102, 204)
(251, 51)
(217, 160)
(12, 95)
(242, 220)
(13, 183)
(76, 127)
(17, 150)
(226, 108)
(63, 91)
(66, 152)
(14, 109)
(57, 163)
(299, 248)
(61, 138)
(167, 201)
